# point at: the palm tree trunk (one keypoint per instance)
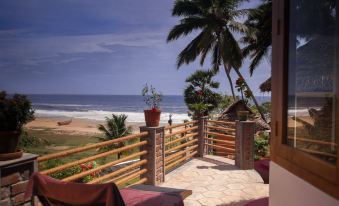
(229, 80)
(252, 95)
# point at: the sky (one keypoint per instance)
(97, 47)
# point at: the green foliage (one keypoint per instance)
(115, 128)
(151, 97)
(265, 108)
(62, 174)
(27, 140)
(261, 146)
(14, 112)
(215, 22)
(258, 41)
(199, 94)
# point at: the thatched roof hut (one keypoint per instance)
(231, 113)
(266, 86)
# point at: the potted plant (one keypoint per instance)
(14, 113)
(152, 98)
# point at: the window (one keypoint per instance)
(312, 78)
(305, 90)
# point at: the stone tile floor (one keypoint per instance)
(216, 181)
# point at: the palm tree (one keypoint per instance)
(258, 45)
(115, 128)
(217, 21)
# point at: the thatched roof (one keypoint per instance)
(266, 86)
(233, 107)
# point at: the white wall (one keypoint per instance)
(287, 189)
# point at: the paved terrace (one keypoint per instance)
(216, 181)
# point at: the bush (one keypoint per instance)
(62, 174)
(200, 96)
(14, 112)
(31, 141)
(261, 146)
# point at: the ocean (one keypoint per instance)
(97, 107)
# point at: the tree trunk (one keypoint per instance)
(230, 80)
(252, 95)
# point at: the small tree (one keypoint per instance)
(115, 128)
(200, 96)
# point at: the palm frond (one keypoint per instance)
(186, 8)
(193, 49)
(185, 27)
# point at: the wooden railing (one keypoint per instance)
(128, 173)
(180, 144)
(220, 138)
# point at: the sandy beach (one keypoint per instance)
(77, 126)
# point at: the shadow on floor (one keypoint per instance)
(244, 202)
(219, 165)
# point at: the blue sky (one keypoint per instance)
(95, 47)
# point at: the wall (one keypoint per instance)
(13, 187)
(288, 189)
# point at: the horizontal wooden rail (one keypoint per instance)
(180, 125)
(318, 152)
(221, 128)
(121, 176)
(180, 146)
(101, 167)
(141, 181)
(118, 172)
(232, 151)
(227, 137)
(221, 122)
(229, 143)
(177, 154)
(181, 138)
(181, 131)
(101, 155)
(180, 160)
(92, 146)
(314, 141)
(131, 177)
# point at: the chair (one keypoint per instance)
(52, 192)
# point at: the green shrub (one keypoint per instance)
(14, 112)
(261, 146)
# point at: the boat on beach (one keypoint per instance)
(61, 123)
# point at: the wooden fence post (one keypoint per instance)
(244, 145)
(201, 136)
(155, 155)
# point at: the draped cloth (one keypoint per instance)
(53, 192)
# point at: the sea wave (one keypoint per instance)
(100, 115)
(61, 105)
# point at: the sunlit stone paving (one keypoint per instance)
(216, 181)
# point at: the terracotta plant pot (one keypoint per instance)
(9, 141)
(152, 117)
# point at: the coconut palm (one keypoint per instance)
(216, 22)
(258, 43)
(115, 128)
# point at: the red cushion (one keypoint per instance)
(258, 202)
(134, 197)
(263, 168)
